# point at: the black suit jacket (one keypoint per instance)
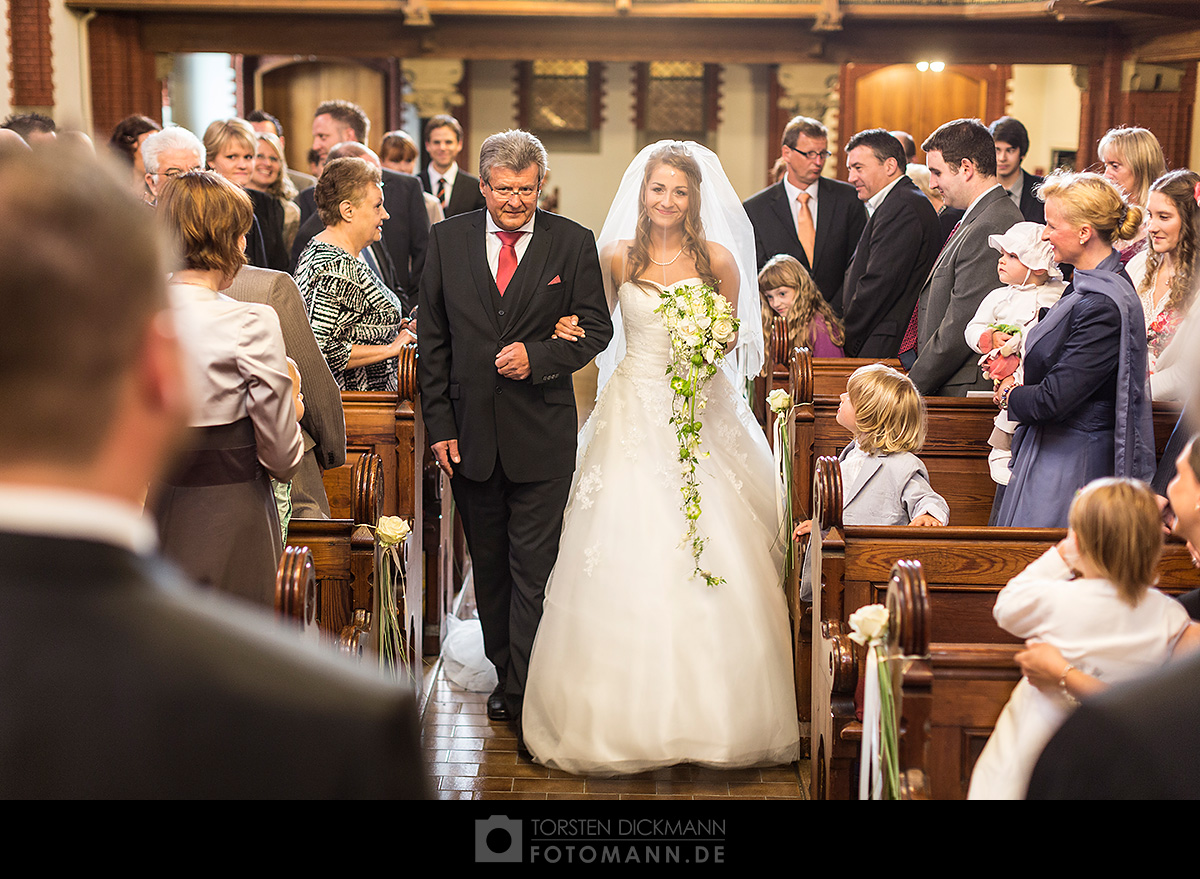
(1033, 209)
(890, 265)
(530, 424)
(464, 197)
(268, 214)
(1136, 741)
(118, 679)
(405, 231)
(840, 221)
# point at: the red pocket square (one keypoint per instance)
(555, 280)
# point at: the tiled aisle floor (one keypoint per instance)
(473, 758)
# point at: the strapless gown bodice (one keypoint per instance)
(637, 664)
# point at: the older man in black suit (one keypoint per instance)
(896, 251)
(813, 218)
(1012, 143)
(496, 388)
(961, 156)
(118, 679)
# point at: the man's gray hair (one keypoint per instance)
(515, 150)
(172, 138)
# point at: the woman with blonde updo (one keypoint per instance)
(1132, 158)
(1084, 407)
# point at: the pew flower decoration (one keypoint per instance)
(390, 534)
(780, 402)
(701, 324)
(879, 770)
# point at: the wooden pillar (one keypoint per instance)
(124, 75)
(1099, 108)
(32, 56)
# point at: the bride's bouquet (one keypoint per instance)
(700, 323)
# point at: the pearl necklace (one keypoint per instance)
(668, 262)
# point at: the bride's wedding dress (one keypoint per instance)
(637, 664)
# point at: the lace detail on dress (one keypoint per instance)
(589, 484)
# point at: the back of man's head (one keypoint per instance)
(352, 150)
(906, 141)
(83, 276)
(964, 139)
(348, 115)
(26, 124)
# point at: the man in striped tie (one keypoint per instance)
(457, 190)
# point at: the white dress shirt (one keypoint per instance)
(793, 193)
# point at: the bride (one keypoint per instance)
(637, 664)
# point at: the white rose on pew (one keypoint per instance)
(868, 623)
(391, 530)
(779, 400)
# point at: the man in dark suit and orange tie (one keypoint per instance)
(813, 218)
(457, 190)
(496, 388)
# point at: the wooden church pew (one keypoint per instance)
(971, 657)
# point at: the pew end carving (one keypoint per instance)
(296, 588)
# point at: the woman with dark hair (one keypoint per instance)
(126, 141)
(357, 320)
(639, 662)
(1084, 408)
(216, 513)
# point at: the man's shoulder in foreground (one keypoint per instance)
(763, 195)
(152, 688)
(839, 188)
(1136, 741)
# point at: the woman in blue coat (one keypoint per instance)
(1084, 409)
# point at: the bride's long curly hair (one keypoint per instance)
(638, 258)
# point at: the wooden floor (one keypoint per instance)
(470, 757)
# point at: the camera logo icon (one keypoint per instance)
(498, 840)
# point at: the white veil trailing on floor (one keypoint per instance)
(724, 222)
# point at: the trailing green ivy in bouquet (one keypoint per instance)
(390, 614)
(701, 324)
(780, 402)
(879, 769)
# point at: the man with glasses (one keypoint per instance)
(169, 153)
(813, 218)
(496, 388)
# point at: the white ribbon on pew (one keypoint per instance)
(870, 771)
(868, 627)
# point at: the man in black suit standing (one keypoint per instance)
(896, 251)
(118, 679)
(1012, 143)
(457, 190)
(496, 388)
(961, 156)
(405, 231)
(784, 218)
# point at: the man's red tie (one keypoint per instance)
(909, 342)
(508, 258)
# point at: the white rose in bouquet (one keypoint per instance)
(722, 330)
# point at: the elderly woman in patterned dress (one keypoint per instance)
(357, 320)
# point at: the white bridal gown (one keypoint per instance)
(637, 664)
